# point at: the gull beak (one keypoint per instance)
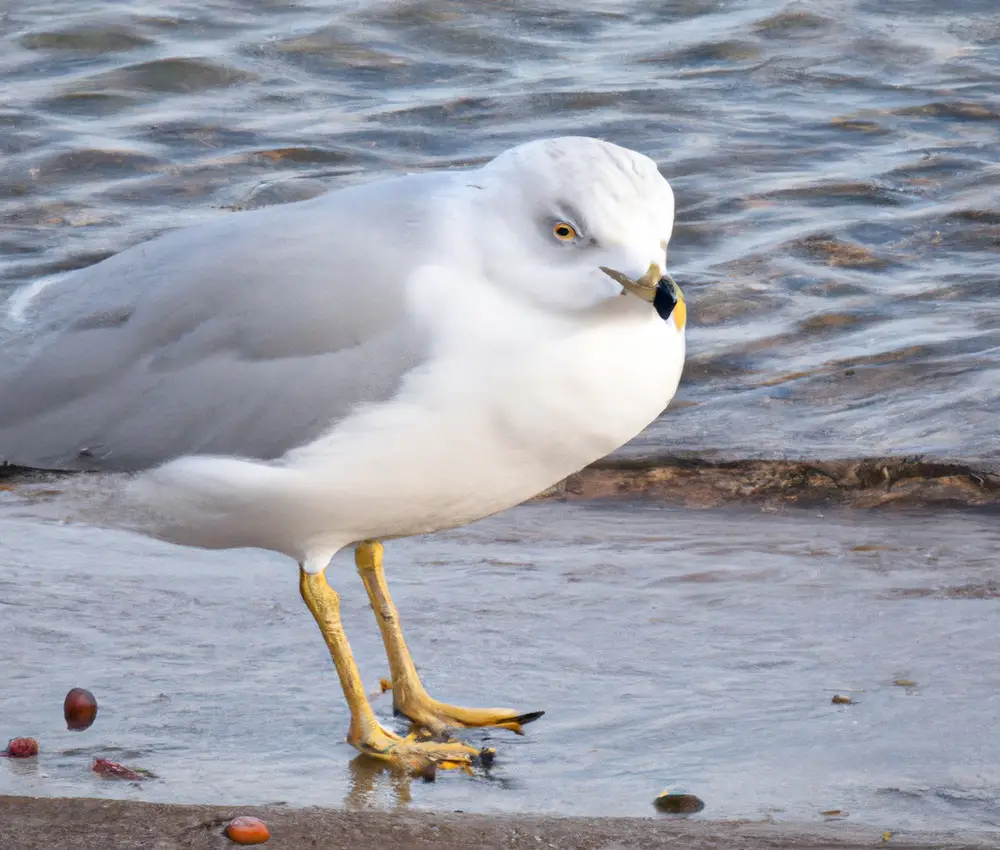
(657, 288)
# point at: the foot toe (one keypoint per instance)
(516, 724)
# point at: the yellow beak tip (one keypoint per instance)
(679, 314)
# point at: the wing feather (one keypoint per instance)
(249, 336)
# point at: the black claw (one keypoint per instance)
(531, 716)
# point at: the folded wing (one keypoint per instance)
(248, 337)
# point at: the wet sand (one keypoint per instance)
(28, 823)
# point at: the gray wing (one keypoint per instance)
(246, 337)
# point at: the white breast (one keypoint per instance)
(484, 429)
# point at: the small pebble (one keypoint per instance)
(21, 748)
(79, 709)
(678, 804)
(247, 830)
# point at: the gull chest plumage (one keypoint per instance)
(496, 417)
(387, 360)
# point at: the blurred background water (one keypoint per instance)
(835, 166)
(836, 170)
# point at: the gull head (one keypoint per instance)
(572, 222)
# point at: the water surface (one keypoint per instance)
(834, 163)
(693, 650)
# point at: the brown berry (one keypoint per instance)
(79, 709)
(22, 748)
(247, 830)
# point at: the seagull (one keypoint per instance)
(385, 360)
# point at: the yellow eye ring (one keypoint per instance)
(564, 232)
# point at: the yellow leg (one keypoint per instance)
(408, 695)
(366, 733)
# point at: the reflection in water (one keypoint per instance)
(21, 770)
(376, 784)
(373, 783)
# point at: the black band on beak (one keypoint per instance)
(665, 298)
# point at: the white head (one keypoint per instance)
(555, 217)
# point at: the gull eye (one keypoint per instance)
(564, 232)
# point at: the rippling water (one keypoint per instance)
(837, 176)
(835, 166)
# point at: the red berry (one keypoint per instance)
(79, 709)
(22, 748)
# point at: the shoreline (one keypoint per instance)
(42, 823)
(699, 481)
